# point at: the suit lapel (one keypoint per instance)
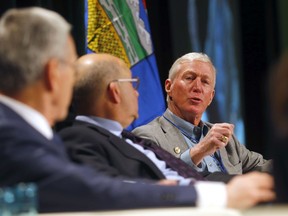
(131, 152)
(11, 117)
(172, 136)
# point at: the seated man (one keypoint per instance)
(37, 54)
(180, 130)
(106, 102)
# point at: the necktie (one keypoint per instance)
(174, 163)
(195, 137)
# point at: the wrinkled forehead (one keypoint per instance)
(196, 66)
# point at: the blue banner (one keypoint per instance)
(121, 28)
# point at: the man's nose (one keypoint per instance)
(136, 92)
(197, 83)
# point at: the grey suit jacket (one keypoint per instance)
(236, 158)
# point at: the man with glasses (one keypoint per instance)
(106, 103)
(135, 81)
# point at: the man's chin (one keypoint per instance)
(136, 117)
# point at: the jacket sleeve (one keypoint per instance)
(246, 160)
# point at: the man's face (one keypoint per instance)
(129, 102)
(192, 89)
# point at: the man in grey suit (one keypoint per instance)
(190, 89)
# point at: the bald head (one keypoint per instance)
(103, 66)
(94, 73)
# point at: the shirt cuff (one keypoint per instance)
(185, 181)
(185, 156)
(211, 194)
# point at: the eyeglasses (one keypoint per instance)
(134, 81)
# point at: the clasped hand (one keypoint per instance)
(217, 138)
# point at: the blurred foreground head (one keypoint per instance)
(36, 56)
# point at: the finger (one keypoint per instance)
(219, 145)
(221, 131)
(266, 195)
(167, 182)
(224, 139)
(267, 182)
(224, 125)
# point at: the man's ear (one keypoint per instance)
(114, 92)
(168, 84)
(51, 75)
(212, 96)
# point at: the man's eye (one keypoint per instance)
(205, 81)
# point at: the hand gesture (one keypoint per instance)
(217, 137)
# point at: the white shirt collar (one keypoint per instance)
(31, 116)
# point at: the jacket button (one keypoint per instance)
(177, 150)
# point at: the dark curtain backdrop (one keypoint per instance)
(71, 10)
(258, 42)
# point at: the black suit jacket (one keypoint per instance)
(27, 156)
(90, 144)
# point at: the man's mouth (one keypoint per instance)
(195, 100)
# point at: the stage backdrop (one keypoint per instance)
(219, 44)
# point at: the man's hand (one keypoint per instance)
(167, 182)
(249, 189)
(217, 137)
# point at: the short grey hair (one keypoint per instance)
(29, 37)
(189, 57)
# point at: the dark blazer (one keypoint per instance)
(90, 144)
(27, 156)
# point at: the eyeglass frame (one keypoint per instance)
(132, 80)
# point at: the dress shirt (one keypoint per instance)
(208, 163)
(33, 117)
(209, 193)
